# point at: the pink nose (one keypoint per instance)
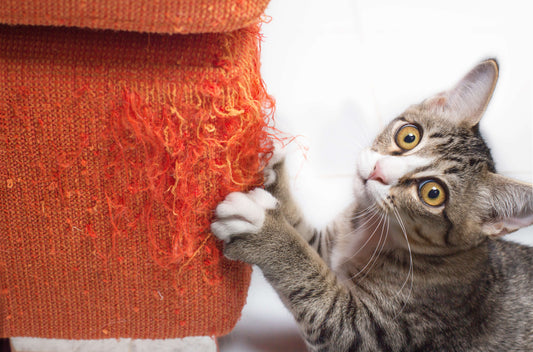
(377, 175)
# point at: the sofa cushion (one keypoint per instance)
(162, 16)
(115, 147)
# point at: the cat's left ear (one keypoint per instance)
(466, 102)
(509, 206)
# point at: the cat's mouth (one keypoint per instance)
(371, 192)
(378, 193)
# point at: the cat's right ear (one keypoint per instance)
(509, 206)
(467, 101)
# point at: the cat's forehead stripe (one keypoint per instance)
(437, 135)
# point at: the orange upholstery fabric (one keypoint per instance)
(162, 16)
(114, 149)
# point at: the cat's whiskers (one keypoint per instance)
(375, 217)
(370, 217)
(363, 213)
(369, 262)
(410, 274)
(373, 258)
(369, 221)
(379, 248)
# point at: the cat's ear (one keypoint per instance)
(509, 206)
(467, 101)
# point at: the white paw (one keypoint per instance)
(277, 156)
(242, 213)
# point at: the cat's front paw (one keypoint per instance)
(242, 214)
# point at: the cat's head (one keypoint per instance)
(432, 166)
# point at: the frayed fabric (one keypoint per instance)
(115, 148)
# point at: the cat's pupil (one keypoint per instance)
(434, 193)
(410, 138)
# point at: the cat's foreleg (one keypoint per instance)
(277, 183)
(255, 231)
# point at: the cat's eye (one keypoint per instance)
(408, 137)
(432, 193)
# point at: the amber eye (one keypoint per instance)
(408, 137)
(432, 193)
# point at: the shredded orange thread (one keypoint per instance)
(183, 156)
(194, 254)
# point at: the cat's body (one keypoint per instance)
(416, 262)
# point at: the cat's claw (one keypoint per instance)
(278, 155)
(242, 213)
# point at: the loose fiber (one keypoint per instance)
(115, 148)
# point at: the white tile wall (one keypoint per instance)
(340, 69)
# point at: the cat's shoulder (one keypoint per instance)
(511, 257)
(510, 247)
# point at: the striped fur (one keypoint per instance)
(392, 273)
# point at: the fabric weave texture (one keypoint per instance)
(162, 16)
(115, 147)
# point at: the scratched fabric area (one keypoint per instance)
(115, 147)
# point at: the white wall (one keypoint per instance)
(340, 69)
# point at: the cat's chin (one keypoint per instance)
(378, 192)
(369, 192)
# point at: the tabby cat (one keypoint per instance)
(416, 263)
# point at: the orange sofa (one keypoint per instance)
(122, 124)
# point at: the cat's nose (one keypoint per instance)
(377, 174)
